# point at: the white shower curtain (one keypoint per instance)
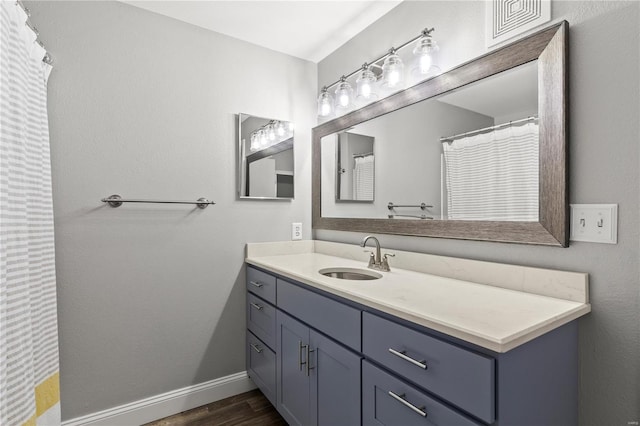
(363, 178)
(29, 383)
(494, 175)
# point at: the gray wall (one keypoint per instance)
(604, 160)
(151, 297)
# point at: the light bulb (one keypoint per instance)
(425, 47)
(325, 103)
(271, 133)
(254, 142)
(392, 71)
(290, 127)
(280, 130)
(365, 85)
(344, 95)
(425, 63)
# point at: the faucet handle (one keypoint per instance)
(372, 258)
(385, 261)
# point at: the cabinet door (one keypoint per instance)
(335, 383)
(293, 380)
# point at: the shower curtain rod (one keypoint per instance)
(47, 59)
(450, 139)
(366, 154)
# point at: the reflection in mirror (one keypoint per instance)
(469, 154)
(355, 167)
(266, 161)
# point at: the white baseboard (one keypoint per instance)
(167, 404)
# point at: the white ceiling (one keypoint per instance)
(306, 29)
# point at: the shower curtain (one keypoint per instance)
(493, 176)
(363, 178)
(29, 385)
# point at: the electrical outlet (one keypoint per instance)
(596, 223)
(296, 231)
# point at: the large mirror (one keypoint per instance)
(265, 158)
(478, 152)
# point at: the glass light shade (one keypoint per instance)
(281, 131)
(254, 142)
(290, 127)
(262, 139)
(325, 104)
(344, 95)
(365, 85)
(425, 47)
(271, 133)
(392, 72)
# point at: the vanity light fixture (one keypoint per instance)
(365, 84)
(392, 70)
(325, 103)
(424, 49)
(392, 76)
(344, 95)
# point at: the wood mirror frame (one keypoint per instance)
(550, 48)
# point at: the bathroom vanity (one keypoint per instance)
(423, 345)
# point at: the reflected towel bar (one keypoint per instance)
(422, 216)
(422, 206)
(116, 201)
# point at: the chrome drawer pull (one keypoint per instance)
(308, 363)
(256, 348)
(300, 346)
(255, 305)
(403, 355)
(256, 283)
(401, 399)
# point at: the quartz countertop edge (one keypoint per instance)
(496, 325)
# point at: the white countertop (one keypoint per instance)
(496, 318)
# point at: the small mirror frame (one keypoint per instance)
(550, 48)
(281, 146)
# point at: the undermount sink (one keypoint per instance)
(350, 273)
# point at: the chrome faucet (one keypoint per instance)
(376, 261)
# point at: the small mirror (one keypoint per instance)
(265, 151)
(355, 171)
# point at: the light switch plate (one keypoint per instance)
(296, 231)
(596, 223)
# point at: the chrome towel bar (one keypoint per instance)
(422, 206)
(116, 201)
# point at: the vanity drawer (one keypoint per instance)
(261, 284)
(335, 319)
(462, 377)
(261, 319)
(387, 400)
(261, 366)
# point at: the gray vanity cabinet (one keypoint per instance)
(327, 362)
(318, 380)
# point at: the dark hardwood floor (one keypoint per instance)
(250, 408)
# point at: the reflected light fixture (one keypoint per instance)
(325, 103)
(365, 84)
(392, 77)
(270, 134)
